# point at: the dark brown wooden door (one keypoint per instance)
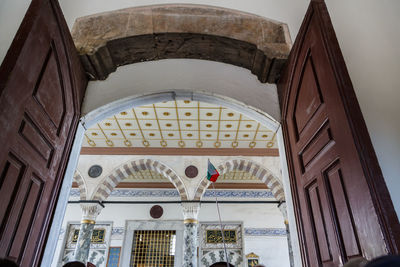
(342, 205)
(41, 88)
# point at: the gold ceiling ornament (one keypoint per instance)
(126, 141)
(253, 143)
(177, 124)
(90, 141)
(108, 141)
(236, 143)
(272, 142)
(181, 143)
(199, 143)
(217, 143)
(163, 143)
(144, 141)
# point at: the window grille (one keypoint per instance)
(153, 248)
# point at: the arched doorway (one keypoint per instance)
(234, 106)
(357, 129)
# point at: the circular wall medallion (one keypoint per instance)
(156, 211)
(191, 171)
(95, 171)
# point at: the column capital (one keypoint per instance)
(90, 211)
(190, 210)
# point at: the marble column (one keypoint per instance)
(190, 214)
(283, 209)
(90, 211)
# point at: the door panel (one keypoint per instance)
(41, 91)
(338, 211)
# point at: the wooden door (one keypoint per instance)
(42, 84)
(342, 205)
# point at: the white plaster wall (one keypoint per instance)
(186, 74)
(271, 254)
(272, 250)
(11, 14)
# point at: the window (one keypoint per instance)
(153, 248)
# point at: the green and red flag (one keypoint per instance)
(212, 173)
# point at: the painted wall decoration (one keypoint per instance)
(212, 247)
(113, 256)
(173, 193)
(97, 236)
(265, 231)
(210, 257)
(211, 237)
(252, 259)
(98, 248)
(215, 236)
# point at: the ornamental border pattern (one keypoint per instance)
(118, 232)
(172, 193)
(265, 232)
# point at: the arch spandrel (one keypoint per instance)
(263, 174)
(121, 173)
(81, 185)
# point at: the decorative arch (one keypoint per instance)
(111, 181)
(81, 185)
(264, 175)
(111, 39)
(216, 256)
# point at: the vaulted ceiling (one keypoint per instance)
(180, 124)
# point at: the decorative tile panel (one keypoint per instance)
(206, 228)
(98, 251)
(265, 231)
(173, 193)
(113, 256)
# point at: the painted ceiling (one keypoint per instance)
(180, 124)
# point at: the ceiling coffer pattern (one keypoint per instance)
(180, 124)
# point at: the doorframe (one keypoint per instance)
(139, 100)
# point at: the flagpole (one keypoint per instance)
(220, 223)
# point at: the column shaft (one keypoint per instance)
(190, 244)
(83, 244)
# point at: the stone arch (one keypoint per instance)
(265, 175)
(117, 175)
(215, 256)
(81, 185)
(111, 39)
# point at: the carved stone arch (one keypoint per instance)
(112, 180)
(111, 39)
(215, 256)
(81, 185)
(255, 169)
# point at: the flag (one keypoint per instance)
(212, 173)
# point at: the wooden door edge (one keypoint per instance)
(380, 195)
